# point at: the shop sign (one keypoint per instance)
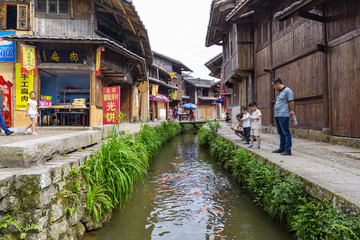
(155, 90)
(24, 84)
(7, 48)
(174, 95)
(62, 56)
(98, 62)
(111, 105)
(7, 99)
(28, 60)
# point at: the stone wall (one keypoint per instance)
(51, 196)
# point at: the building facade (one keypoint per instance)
(66, 35)
(311, 45)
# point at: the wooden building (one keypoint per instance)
(166, 72)
(215, 65)
(67, 34)
(203, 93)
(237, 39)
(313, 45)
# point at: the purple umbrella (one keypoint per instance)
(159, 98)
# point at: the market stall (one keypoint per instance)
(64, 98)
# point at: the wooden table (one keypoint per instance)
(65, 111)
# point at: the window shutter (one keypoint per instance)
(22, 17)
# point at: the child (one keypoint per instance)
(246, 124)
(32, 113)
(239, 131)
(255, 119)
(228, 119)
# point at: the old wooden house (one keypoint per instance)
(203, 93)
(237, 39)
(215, 65)
(166, 73)
(313, 45)
(66, 35)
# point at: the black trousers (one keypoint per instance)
(247, 134)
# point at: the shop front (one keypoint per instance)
(68, 92)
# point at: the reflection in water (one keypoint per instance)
(189, 197)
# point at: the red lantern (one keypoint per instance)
(164, 104)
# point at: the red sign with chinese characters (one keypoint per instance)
(7, 109)
(111, 105)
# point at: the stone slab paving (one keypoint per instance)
(332, 171)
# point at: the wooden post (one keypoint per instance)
(326, 94)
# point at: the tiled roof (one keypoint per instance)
(185, 68)
(234, 11)
(214, 59)
(218, 11)
(197, 82)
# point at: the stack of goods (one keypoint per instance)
(79, 102)
(45, 101)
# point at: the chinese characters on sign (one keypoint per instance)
(23, 87)
(28, 60)
(111, 105)
(155, 90)
(62, 56)
(174, 95)
(98, 62)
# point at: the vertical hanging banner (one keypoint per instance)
(98, 62)
(155, 90)
(28, 60)
(7, 111)
(111, 105)
(174, 95)
(24, 84)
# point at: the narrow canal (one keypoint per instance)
(189, 197)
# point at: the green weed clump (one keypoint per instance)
(120, 163)
(22, 231)
(282, 196)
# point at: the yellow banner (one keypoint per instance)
(24, 84)
(155, 90)
(174, 95)
(98, 62)
(28, 60)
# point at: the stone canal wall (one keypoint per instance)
(50, 196)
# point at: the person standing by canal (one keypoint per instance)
(284, 109)
(3, 105)
(175, 112)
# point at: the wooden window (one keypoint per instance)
(52, 6)
(13, 16)
(22, 19)
(205, 92)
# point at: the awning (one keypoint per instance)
(157, 81)
(159, 98)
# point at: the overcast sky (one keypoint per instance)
(177, 28)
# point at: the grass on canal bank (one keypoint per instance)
(122, 162)
(282, 196)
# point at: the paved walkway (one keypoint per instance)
(332, 170)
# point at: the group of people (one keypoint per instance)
(177, 113)
(249, 125)
(31, 112)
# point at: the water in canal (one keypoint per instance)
(189, 197)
